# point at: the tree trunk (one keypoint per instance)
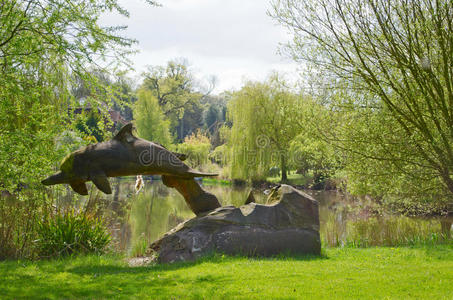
(283, 167)
(181, 133)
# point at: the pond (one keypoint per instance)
(135, 220)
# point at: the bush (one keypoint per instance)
(196, 147)
(71, 233)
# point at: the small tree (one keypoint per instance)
(196, 146)
(150, 121)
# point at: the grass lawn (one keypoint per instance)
(293, 178)
(215, 181)
(395, 273)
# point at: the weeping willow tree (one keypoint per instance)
(248, 160)
(266, 117)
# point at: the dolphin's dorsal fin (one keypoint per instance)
(125, 133)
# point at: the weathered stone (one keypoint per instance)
(289, 226)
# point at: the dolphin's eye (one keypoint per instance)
(129, 138)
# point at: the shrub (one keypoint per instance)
(71, 233)
(196, 147)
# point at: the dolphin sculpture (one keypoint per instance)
(124, 155)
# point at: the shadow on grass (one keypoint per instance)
(104, 286)
(111, 277)
(103, 279)
(106, 277)
(216, 258)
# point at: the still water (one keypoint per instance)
(136, 219)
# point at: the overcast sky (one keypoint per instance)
(233, 40)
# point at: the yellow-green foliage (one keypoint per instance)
(266, 116)
(311, 153)
(150, 120)
(219, 154)
(383, 231)
(196, 146)
(384, 68)
(44, 46)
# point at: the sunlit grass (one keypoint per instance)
(215, 181)
(293, 178)
(419, 272)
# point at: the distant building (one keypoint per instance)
(115, 116)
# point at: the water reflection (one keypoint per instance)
(136, 220)
(157, 209)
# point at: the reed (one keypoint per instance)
(381, 231)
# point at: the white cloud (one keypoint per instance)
(229, 39)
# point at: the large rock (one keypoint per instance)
(289, 226)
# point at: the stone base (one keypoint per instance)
(290, 226)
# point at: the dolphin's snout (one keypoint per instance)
(56, 178)
(47, 181)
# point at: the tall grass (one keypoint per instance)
(381, 231)
(31, 226)
(18, 227)
(70, 232)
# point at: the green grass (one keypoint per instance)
(293, 178)
(215, 181)
(394, 273)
